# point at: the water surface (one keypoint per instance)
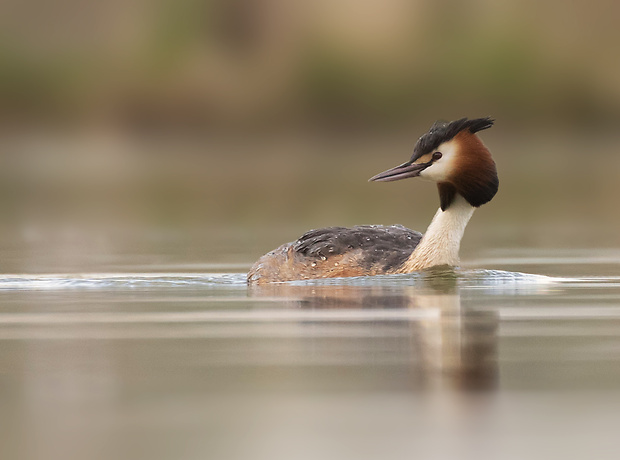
(149, 364)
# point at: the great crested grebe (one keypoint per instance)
(450, 154)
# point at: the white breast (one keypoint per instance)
(441, 243)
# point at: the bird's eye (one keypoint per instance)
(436, 156)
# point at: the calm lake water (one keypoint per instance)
(126, 342)
(508, 363)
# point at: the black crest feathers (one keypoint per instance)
(442, 131)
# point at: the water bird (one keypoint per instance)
(450, 154)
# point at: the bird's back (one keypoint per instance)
(332, 252)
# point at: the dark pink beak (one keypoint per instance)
(400, 172)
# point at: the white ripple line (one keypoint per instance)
(264, 316)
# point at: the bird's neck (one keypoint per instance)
(442, 240)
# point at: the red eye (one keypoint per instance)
(436, 156)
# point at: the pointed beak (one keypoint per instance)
(400, 172)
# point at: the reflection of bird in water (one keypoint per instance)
(450, 154)
(424, 330)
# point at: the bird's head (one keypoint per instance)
(452, 155)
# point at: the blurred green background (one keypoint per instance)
(210, 131)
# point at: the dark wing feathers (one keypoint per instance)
(321, 242)
(388, 246)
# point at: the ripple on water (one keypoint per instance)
(464, 278)
(121, 281)
(493, 280)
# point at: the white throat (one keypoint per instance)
(442, 240)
